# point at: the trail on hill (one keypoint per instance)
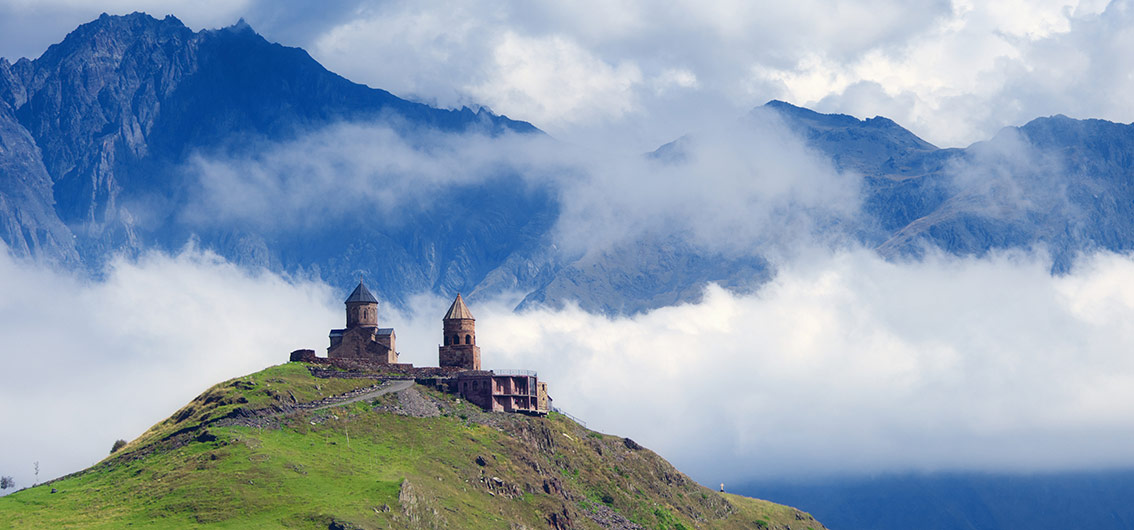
(386, 388)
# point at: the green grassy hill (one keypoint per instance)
(270, 450)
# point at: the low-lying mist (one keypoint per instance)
(843, 363)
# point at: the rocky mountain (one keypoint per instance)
(103, 137)
(96, 130)
(281, 448)
(1056, 183)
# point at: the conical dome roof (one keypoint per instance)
(459, 310)
(361, 295)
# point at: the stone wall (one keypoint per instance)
(361, 343)
(465, 357)
(303, 356)
(541, 396)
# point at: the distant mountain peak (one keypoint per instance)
(869, 145)
(241, 26)
(118, 30)
(839, 120)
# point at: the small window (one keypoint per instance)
(468, 339)
(456, 340)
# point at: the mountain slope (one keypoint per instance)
(108, 139)
(1056, 183)
(268, 450)
(115, 111)
(28, 223)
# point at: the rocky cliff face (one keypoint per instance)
(28, 222)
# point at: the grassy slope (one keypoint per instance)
(358, 465)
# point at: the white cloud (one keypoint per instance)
(848, 363)
(88, 362)
(552, 79)
(674, 78)
(750, 185)
(954, 72)
(388, 175)
(843, 363)
(600, 73)
(986, 66)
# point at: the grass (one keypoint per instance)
(361, 467)
(293, 383)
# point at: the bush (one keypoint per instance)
(7, 482)
(118, 444)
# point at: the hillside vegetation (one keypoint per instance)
(270, 450)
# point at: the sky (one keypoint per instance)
(632, 75)
(843, 363)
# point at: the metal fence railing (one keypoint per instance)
(528, 373)
(569, 416)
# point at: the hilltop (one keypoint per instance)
(282, 447)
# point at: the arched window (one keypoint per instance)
(468, 339)
(456, 340)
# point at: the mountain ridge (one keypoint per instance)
(99, 128)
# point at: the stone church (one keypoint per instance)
(362, 345)
(362, 338)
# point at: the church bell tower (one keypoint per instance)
(361, 308)
(459, 349)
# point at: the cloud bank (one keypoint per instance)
(952, 71)
(744, 187)
(844, 363)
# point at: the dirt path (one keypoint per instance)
(390, 386)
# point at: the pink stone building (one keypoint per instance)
(458, 333)
(362, 339)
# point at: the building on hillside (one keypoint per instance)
(504, 391)
(363, 348)
(458, 329)
(500, 390)
(362, 339)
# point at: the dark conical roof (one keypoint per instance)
(459, 310)
(361, 295)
